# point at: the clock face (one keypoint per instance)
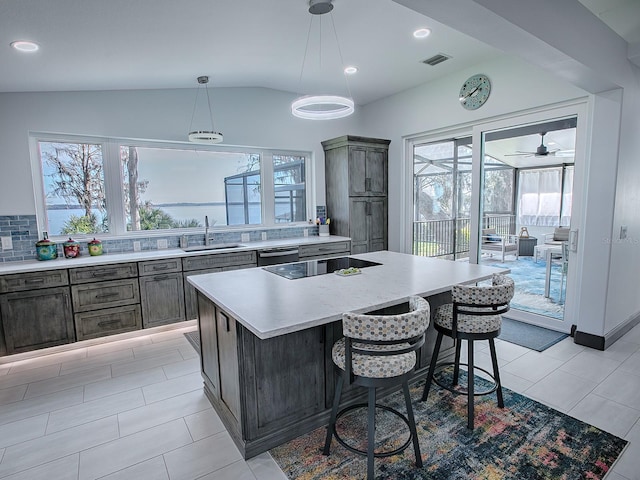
(475, 91)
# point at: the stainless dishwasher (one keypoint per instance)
(274, 256)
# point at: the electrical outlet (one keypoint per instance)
(136, 246)
(305, 232)
(245, 237)
(623, 232)
(264, 235)
(7, 243)
(162, 243)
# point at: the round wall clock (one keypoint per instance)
(475, 91)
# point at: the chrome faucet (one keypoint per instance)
(206, 230)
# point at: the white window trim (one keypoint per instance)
(114, 181)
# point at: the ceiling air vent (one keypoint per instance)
(436, 59)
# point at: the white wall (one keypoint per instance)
(246, 116)
(516, 86)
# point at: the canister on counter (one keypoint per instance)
(46, 249)
(95, 247)
(71, 248)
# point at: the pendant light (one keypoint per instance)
(207, 137)
(322, 107)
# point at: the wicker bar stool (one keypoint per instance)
(379, 351)
(475, 314)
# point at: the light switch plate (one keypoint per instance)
(305, 232)
(623, 232)
(245, 237)
(7, 243)
(162, 243)
(136, 246)
(264, 235)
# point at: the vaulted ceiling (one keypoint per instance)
(149, 44)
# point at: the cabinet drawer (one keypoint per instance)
(108, 322)
(19, 282)
(160, 266)
(324, 249)
(93, 296)
(202, 262)
(103, 272)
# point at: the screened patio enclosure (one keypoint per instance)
(442, 198)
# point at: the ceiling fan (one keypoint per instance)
(541, 151)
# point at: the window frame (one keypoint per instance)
(113, 179)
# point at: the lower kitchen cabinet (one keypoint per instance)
(162, 299)
(108, 321)
(36, 319)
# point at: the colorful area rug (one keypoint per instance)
(525, 440)
(530, 336)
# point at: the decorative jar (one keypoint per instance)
(71, 248)
(95, 247)
(46, 249)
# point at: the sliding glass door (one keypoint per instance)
(442, 198)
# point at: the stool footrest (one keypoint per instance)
(462, 391)
(364, 452)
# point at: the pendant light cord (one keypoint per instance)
(304, 58)
(335, 33)
(195, 105)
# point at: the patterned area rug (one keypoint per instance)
(525, 440)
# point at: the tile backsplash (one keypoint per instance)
(23, 230)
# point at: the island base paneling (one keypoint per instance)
(271, 391)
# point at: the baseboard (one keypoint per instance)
(600, 342)
(589, 340)
(618, 332)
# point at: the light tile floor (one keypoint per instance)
(134, 408)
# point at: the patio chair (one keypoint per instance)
(491, 241)
(559, 235)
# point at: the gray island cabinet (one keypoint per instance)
(266, 340)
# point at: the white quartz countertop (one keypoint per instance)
(270, 305)
(110, 258)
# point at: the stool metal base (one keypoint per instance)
(390, 453)
(462, 391)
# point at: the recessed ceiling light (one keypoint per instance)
(422, 33)
(350, 70)
(24, 46)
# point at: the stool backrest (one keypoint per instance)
(403, 326)
(482, 301)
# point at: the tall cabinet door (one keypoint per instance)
(377, 220)
(359, 228)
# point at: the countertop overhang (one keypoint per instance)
(269, 305)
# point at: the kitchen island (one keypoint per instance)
(266, 339)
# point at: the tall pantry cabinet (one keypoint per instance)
(356, 190)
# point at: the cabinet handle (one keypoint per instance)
(108, 295)
(367, 184)
(160, 267)
(108, 323)
(33, 281)
(103, 273)
(160, 277)
(368, 209)
(226, 319)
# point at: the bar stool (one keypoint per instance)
(475, 314)
(378, 351)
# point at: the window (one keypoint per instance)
(91, 186)
(73, 183)
(545, 196)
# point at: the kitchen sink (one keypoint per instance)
(214, 246)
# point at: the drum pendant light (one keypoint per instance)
(322, 107)
(207, 137)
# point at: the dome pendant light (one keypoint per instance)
(206, 137)
(322, 107)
